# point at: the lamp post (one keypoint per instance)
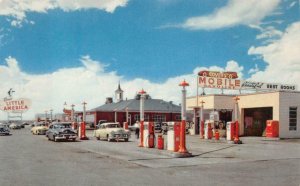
(84, 112)
(72, 112)
(127, 114)
(182, 148)
(142, 93)
(82, 135)
(51, 110)
(116, 116)
(236, 138)
(202, 121)
(46, 115)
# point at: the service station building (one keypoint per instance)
(254, 109)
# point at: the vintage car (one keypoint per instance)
(14, 126)
(4, 130)
(61, 131)
(111, 131)
(39, 128)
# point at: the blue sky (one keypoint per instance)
(133, 40)
(152, 41)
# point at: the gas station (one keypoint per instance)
(259, 108)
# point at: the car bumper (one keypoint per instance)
(65, 137)
(4, 133)
(119, 136)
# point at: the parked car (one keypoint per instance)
(14, 126)
(4, 130)
(111, 131)
(61, 131)
(39, 128)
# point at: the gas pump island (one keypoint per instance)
(176, 139)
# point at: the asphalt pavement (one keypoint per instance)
(27, 159)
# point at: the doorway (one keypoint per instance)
(255, 120)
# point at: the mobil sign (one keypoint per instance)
(15, 105)
(222, 83)
(212, 79)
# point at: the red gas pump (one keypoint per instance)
(160, 142)
(272, 130)
(202, 129)
(208, 130)
(125, 125)
(151, 135)
(82, 131)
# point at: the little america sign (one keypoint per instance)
(15, 106)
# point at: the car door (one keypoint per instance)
(50, 132)
(101, 128)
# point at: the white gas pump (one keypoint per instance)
(146, 133)
(173, 136)
(230, 130)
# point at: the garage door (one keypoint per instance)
(255, 120)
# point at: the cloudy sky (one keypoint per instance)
(53, 51)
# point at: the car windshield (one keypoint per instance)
(38, 125)
(62, 126)
(112, 126)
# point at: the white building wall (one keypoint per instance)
(288, 99)
(224, 102)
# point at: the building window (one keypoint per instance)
(159, 118)
(137, 117)
(178, 117)
(293, 118)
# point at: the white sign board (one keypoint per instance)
(214, 116)
(224, 83)
(15, 105)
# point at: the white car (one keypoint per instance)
(14, 126)
(111, 131)
(39, 128)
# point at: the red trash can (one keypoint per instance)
(217, 135)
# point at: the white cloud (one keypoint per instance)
(17, 9)
(282, 57)
(269, 33)
(253, 70)
(90, 82)
(236, 12)
(292, 4)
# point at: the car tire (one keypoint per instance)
(126, 139)
(98, 138)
